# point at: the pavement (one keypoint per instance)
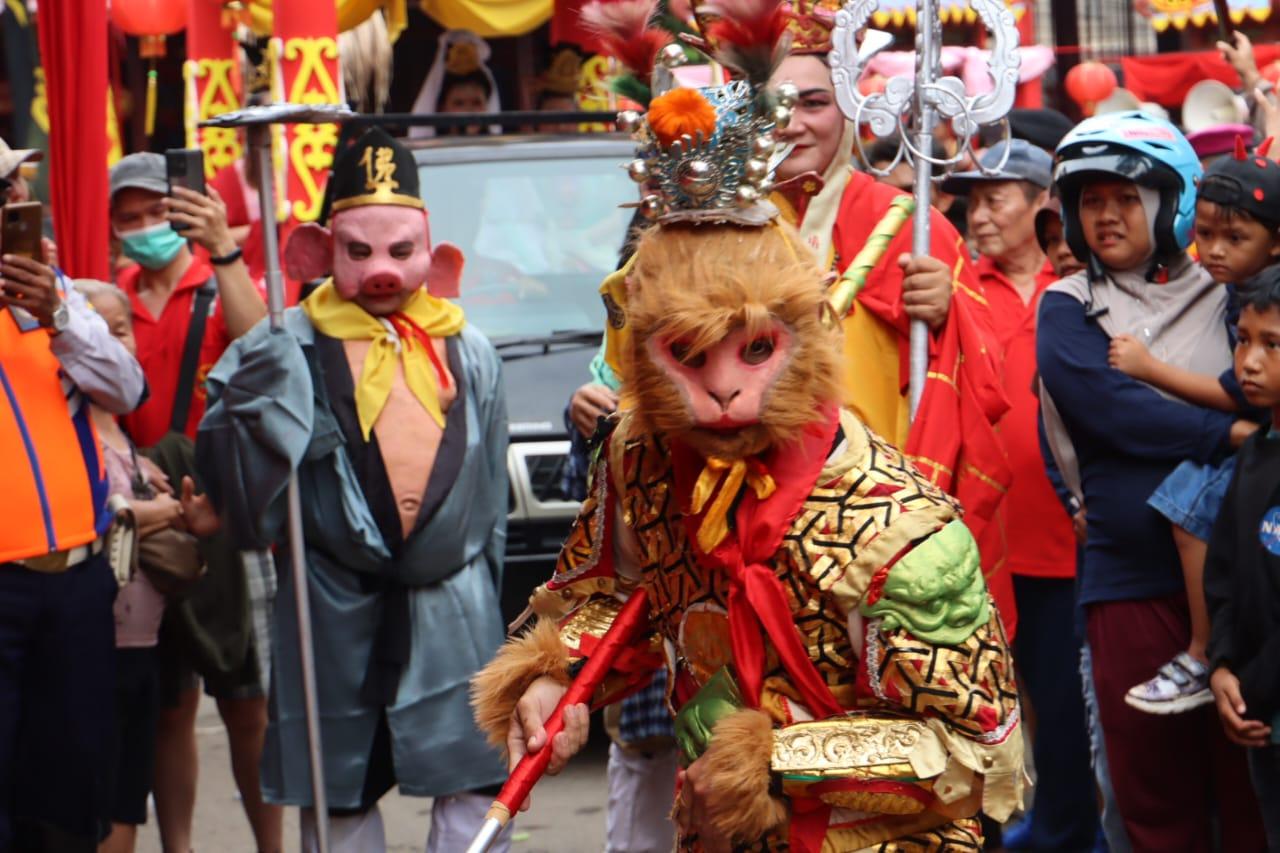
(567, 814)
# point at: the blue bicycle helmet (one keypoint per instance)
(1150, 152)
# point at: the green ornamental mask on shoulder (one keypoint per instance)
(936, 591)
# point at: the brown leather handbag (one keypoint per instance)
(170, 558)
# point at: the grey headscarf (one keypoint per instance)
(1181, 322)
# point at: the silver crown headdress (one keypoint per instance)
(721, 175)
(704, 154)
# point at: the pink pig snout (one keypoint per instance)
(382, 284)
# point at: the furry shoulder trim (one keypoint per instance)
(497, 688)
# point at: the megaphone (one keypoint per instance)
(1154, 110)
(1210, 103)
(1119, 101)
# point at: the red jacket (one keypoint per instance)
(1040, 537)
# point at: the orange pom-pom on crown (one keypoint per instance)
(681, 112)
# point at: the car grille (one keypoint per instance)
(537, 471)
(546, 476)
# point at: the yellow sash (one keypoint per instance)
(728, 475)
(345, 320)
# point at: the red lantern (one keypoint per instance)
(150, 21)
(149, 17)
(1088, 83)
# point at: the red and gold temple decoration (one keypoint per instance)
(211, 75)
(1180, 14)
(304, 61)
(902, 13)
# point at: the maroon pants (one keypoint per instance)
(1169, 772)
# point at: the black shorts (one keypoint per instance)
(178, 674)
(137, 712)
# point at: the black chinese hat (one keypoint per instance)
(375, 169)
(1249, 182)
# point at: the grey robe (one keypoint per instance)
(268, 413)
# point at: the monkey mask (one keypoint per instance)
(728, 352)
(721, 342)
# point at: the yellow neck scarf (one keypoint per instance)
(398, 334)
(729, 477)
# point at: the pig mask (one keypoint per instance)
(378, 254)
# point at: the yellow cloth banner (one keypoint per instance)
(114, 150)
(489, 18)
(345, 320)
(351, 13)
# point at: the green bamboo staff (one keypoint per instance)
(849, 285)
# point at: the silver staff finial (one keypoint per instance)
(910, 108)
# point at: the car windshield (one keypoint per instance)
(538, 236)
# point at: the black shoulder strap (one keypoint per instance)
(141, 488)
(191, 355)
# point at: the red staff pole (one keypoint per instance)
(631, 619)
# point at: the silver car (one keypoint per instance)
(539, 221)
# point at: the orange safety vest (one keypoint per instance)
(53, 483)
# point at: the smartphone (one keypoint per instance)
(184, 167)
(21, 227)
(1225, 27)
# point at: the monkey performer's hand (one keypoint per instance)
(527, 735)
(926, 289)
(690, 813)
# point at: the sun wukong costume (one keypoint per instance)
(840, 676)
(391, 410)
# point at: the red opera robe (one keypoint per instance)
(953, 441)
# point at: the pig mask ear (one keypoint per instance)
(309, 253)
(444, 276)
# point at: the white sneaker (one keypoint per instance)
(1180, 685)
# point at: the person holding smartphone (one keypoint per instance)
(186, 312)
(56, 651)
(155, 229)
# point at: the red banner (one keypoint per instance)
(565, 28)
(212, 85)
(1166, 78)
(73, 46)
(304, 56)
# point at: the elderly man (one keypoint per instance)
(13, 186)
(56, 589)
(1004, 197)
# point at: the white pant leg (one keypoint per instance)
(641, 791)
(362, 833)
(456, 819)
